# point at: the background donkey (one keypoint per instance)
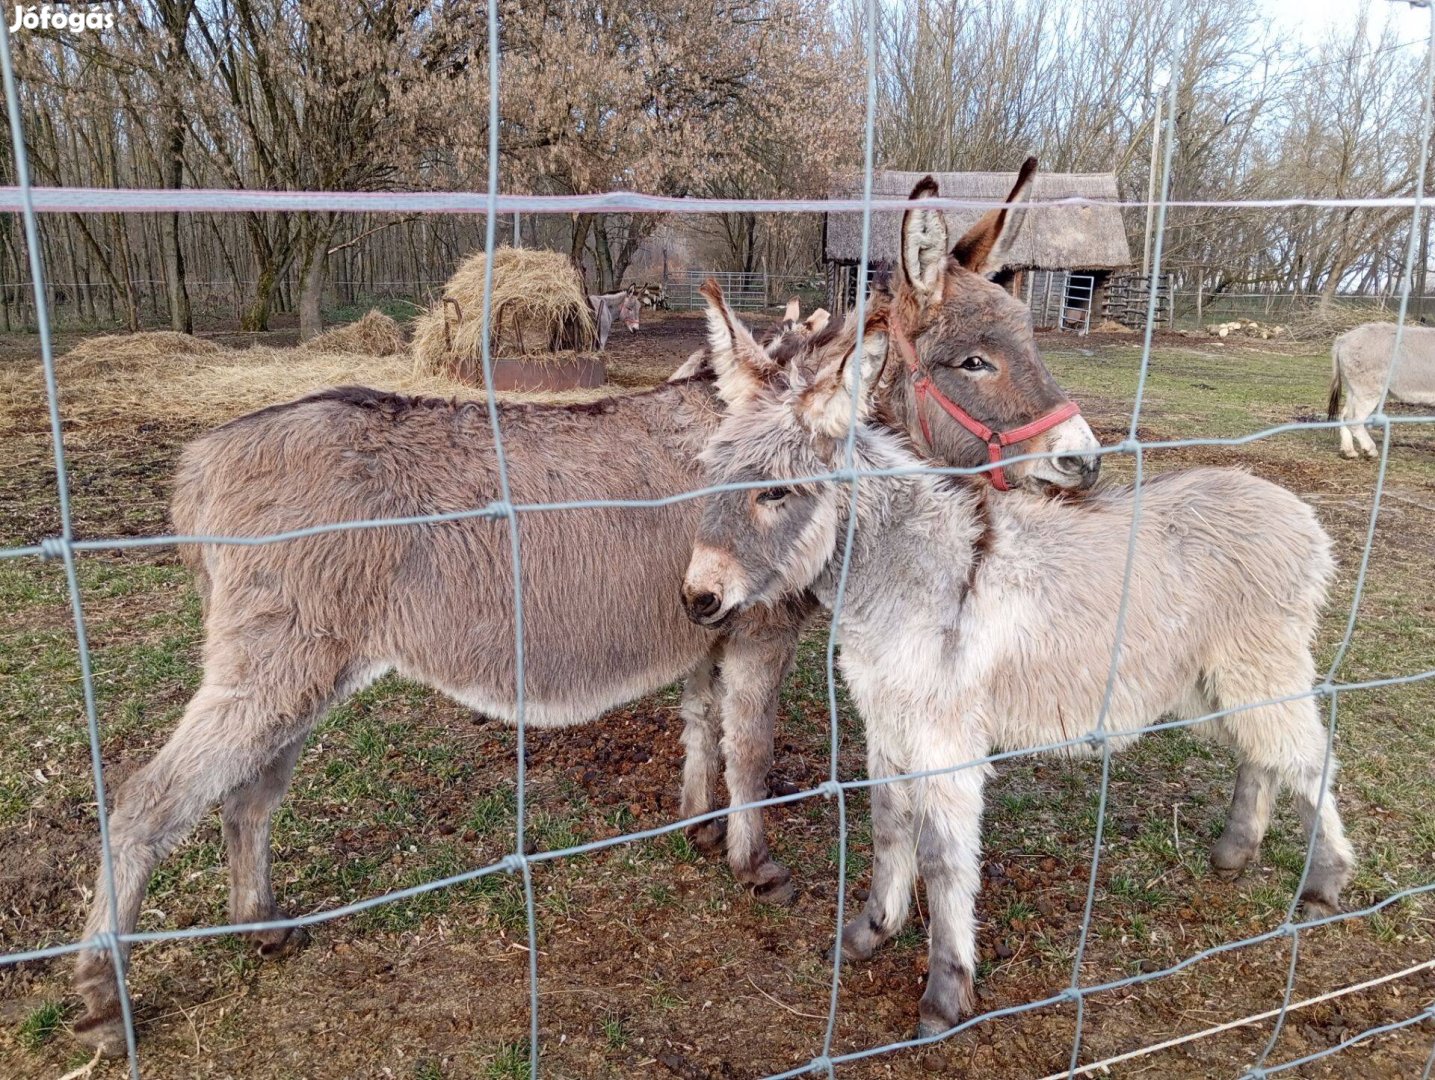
(972, 624)
(1360, 362)
(785, 340)
(624, 306)
(293, 628)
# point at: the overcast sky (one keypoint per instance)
(1309, 19)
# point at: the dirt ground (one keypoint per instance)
(652, 961)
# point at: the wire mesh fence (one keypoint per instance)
(68, 547)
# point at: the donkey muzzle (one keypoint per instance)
(702, 605)
(1084, 468)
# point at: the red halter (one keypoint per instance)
(924, 388)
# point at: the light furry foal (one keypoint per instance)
(973, 623)
(292, 628)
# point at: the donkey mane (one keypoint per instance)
(393, 404)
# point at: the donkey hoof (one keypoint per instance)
(852, 952)
(102, 1031)
(927, 1028)
(774, 885)
(709, 837)
(1230, 858)
(1318, 905)
(282, 942)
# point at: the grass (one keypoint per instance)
(40, 1026)
(400, 310)
(509, 1062)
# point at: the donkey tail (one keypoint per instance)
(1332, 405)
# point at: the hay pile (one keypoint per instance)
(134, 350)
(376, 334)
(1316, 325)
(539, 306)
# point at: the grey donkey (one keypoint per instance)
(1360, 365)
(608, 307)
(293, 628)
(973, 623)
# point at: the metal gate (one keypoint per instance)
(1076, 303)
(744, 292)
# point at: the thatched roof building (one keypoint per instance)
(1052, 237)
(1060, 264)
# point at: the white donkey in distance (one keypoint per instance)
(1361, 360)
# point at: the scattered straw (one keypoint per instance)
(215, 385)
(376, 334)
(124, 350)
(539, 302)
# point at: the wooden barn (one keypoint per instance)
(1061, 265)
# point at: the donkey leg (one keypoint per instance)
(1361, 411)
(233, 730)
(894, 867)
(949, 823)
(1288, 741)
(702, 755)
(247, 815)
(1347, 441)
(752, 672)
(1246, 821)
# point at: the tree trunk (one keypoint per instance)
(315, 233)
(581, 224)
(256, 315)
(171, 253)
(604, 254)
(271, 261)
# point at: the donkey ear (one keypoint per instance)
(792, 314)
(815, 323)
(984, 248)
(825, 403)
(924, 241)
(742, 367)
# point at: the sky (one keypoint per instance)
(1309, 20)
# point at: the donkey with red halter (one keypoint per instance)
(973, 623)
(435, 603)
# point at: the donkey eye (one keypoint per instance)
(773, 494)
(974, 363)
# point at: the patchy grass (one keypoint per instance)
(41, 1025)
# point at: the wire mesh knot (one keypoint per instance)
(512, 864)
(1072, 994)
(821, 1064)
(829, 789)
(53, 547)
(106, 941)
(1128, 446)
(500, 508)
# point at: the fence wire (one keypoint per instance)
(30, 202)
